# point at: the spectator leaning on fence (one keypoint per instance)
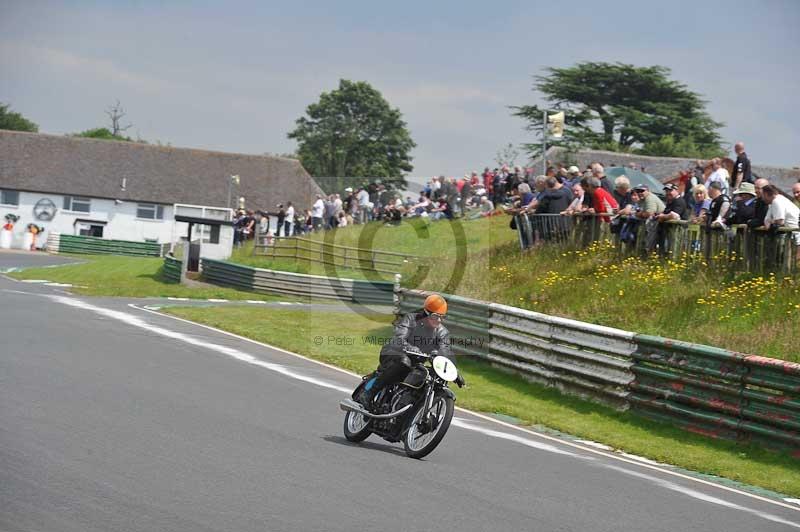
(781, 213)
(760, 208)
(741, 168)
(555, 199)
(674, 210)
(720, 205)
(602, 201)
(796, 193)
(649, 204)
(701, 205)
(576, 205)
(622, 191)
(743, 208)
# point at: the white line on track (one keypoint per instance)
(608, 454)
(250, 359)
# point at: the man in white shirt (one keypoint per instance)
(781, 212)
(363, 205)
(317, 210)
(719, 174)
(289, 220)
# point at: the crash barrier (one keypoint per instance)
(172, 269)
(329, 254)
(736, 247)
(578, 358)
(718, 393)
(296, 284)
(706, 390)
(88, 245)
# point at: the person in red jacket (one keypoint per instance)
(602, 201)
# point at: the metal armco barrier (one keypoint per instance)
(87, 245)
(716, 392)
(296, 284)
(702, 389)
(578, 358)
(172, 269)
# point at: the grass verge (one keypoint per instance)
(349, 341)
(104, 275)
(686, 300)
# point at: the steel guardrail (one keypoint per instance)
(296, 284)
(702, 389)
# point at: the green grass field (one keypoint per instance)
(104, 275)
(493, 391)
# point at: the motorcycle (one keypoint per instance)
(417, 411)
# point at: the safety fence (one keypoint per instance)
(172, 269)
(736, 247)
(706, 390)
(296, 284)
(329, 254)
(88, 245)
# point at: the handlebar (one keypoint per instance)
(418, 353)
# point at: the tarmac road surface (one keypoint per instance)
(113, 418)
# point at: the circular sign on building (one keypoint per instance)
(44, 210)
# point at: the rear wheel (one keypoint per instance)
(423, 435)
(356, 427)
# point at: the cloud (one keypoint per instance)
(64, 61)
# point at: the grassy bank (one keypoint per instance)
(101, 275)
(686, 300)
(348, 341)
(436, 241)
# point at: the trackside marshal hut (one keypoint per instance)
(128, 191)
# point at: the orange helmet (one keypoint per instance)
(435, 304)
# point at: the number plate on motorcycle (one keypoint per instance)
(445, 368)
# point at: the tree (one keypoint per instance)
(352, 131)
(15, 121)
(102, 133)
(115, 130)
(624, 108)
(115, 114)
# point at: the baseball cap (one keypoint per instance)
(574, 170)
(670, 186)
(640, 188)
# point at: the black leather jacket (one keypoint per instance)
(410, 330)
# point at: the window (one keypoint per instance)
(150, 211)
(9, 197)
(76, 204)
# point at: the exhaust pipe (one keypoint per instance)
(348, 405)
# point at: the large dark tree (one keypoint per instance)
(626, 108)
(15, 121)
(353, 131)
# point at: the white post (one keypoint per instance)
(544, 144)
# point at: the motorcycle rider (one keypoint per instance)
(420, 330)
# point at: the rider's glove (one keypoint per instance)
(460, 381)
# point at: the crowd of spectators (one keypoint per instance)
(707, 195)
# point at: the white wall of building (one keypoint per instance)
(121, 221)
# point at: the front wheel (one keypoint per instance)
(423, 435)
(356, 427)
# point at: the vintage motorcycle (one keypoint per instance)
(417, 411)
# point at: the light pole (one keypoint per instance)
(233, 179)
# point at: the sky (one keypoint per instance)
(235, 75)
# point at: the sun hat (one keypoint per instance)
(746, 188)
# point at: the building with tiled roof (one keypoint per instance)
(122, 189)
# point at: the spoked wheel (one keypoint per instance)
(423, 434)
(356, 427)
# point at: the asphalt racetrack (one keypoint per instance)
(115, 418)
